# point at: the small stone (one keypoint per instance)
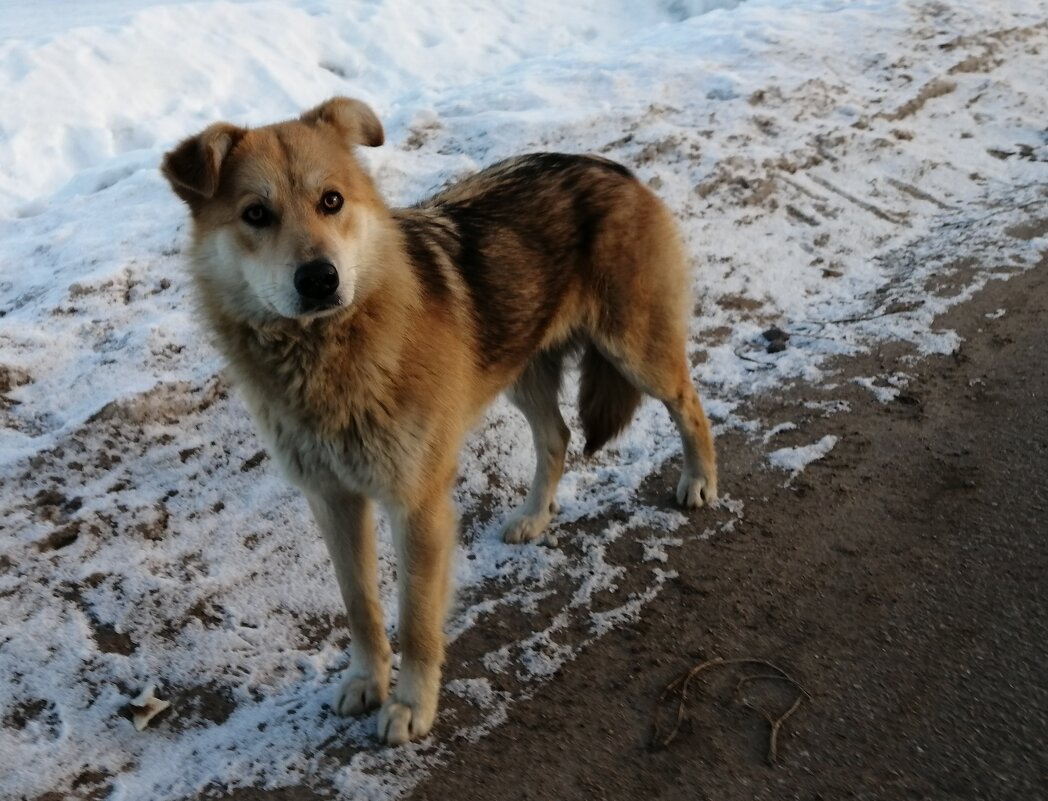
(776, 339)
(775, 334)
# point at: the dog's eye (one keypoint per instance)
(257, 216)
(331, 203)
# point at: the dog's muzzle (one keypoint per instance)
(317, 282)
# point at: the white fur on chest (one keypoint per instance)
(374, 460)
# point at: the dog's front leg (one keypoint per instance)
(347, 522)
(424, 534)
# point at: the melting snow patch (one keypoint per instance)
(774, 432)
(796, 459)
(830, 407)
(655, 547)
(603, 622)
(479, 692)
(884, 394)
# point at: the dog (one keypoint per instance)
(367, 341)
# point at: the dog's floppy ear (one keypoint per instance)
(353, 119)
(193, 167)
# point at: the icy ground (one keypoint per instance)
(843, 171)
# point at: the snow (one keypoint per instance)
(774, 431)
(798, 458)
(875, 384)
(845, 171)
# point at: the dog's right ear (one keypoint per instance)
(194, 166)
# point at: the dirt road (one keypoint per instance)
(901, 581)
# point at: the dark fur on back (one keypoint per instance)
(539, 215)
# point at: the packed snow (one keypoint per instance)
(797, 458)
(845, 171)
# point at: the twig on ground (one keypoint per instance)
(774, 722)
(763, 365)
(894, 308)
(899, 308)
(680, 687)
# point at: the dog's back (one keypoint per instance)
(551, 252)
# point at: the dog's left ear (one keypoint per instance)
(351, 118)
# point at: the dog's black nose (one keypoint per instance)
(316, 280)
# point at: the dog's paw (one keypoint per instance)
(694, 491)
(523, 528)
(358, 694)
(400, 722)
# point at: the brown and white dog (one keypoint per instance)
(368, 340)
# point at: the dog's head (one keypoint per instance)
(282, 214)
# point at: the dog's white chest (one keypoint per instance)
(359, 457)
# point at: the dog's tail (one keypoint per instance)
(607, 400)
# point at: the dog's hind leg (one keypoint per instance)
(642, 329)
(698, 480)
(424, 535)
(346, 521)
(535, 394)
(660, 369)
